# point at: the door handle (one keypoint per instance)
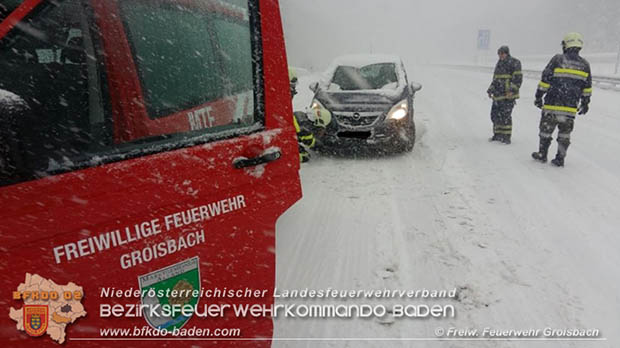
(243, 162)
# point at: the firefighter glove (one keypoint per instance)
(539, 103)
(583, 109)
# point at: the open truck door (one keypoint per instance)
(146, 152)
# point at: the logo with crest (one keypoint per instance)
(177, 285)
(35, 319)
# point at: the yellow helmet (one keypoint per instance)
(572, 40)
(292, 79)
(319, 115)
(292, 75)
(322, 117)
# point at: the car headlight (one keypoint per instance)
(399, 111)
(321, 117)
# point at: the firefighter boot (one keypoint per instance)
(543, 148)
(563, 144)
(558, 161)
(304, 155)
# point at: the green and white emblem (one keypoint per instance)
(157, 288)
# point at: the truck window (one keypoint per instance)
(233, 39)
(177, 65)
(205, 56)
(7, 6)
(192, 57)
(55, 109)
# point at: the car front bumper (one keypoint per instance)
(386, 134)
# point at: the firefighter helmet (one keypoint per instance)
(572, 40)
(322, 118)
(292, 75)
(319, 115)
(292, 78)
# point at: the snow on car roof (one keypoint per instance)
(360, 60)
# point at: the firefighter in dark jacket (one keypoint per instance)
(566, 85)
(504, 90)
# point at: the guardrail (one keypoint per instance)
(605, 82)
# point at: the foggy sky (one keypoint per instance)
(435, 31)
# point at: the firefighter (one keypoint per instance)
(566, 85)
(504, 90)
(305, 138)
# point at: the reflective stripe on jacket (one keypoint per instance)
(565, 82)
(507, 79)
(303, 136)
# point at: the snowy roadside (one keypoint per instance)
(526, 244)
(603, 64)
(608, 81)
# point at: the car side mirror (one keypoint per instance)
(415, 86)
(314, 87)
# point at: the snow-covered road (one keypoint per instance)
(528, 245)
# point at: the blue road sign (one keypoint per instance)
(484, 39)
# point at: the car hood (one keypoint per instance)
(357, 101)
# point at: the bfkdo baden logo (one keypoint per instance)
(35, 323)
(48, 307)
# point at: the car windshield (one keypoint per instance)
(372, 76)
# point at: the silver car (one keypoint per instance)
(369, 101)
